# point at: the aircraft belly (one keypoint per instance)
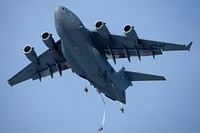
(81, 58)
(87, 62)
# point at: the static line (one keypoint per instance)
(104, 114)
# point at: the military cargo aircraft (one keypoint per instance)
(87, 52)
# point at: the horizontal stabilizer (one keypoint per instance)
(134, 76)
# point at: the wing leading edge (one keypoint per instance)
(47, 63)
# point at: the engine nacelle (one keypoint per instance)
(102, 29)
(130, 33)
(48, 40)
(30, 53)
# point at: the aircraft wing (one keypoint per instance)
(47, 63)
(121, 47)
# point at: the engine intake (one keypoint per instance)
(130, 33)
(102, 29)
(48, 40)
(30, 53)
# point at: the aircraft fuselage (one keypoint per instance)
(86, 60)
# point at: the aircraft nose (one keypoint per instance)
(58, 19)
(61, 13)
(58, 10)
(65, 20)
(61, 10)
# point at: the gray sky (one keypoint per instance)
(60, 105)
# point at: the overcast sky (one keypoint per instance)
(60, 105)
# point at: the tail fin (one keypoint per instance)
(134, 76)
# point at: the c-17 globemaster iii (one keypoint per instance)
(87, 52)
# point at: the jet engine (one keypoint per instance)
(102, 29)
(130, 33)
(48, 40)
(30, 53)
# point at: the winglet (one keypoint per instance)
(9, 83)
(189, 46)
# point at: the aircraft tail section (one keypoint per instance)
(135, 76)
(128, 77)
